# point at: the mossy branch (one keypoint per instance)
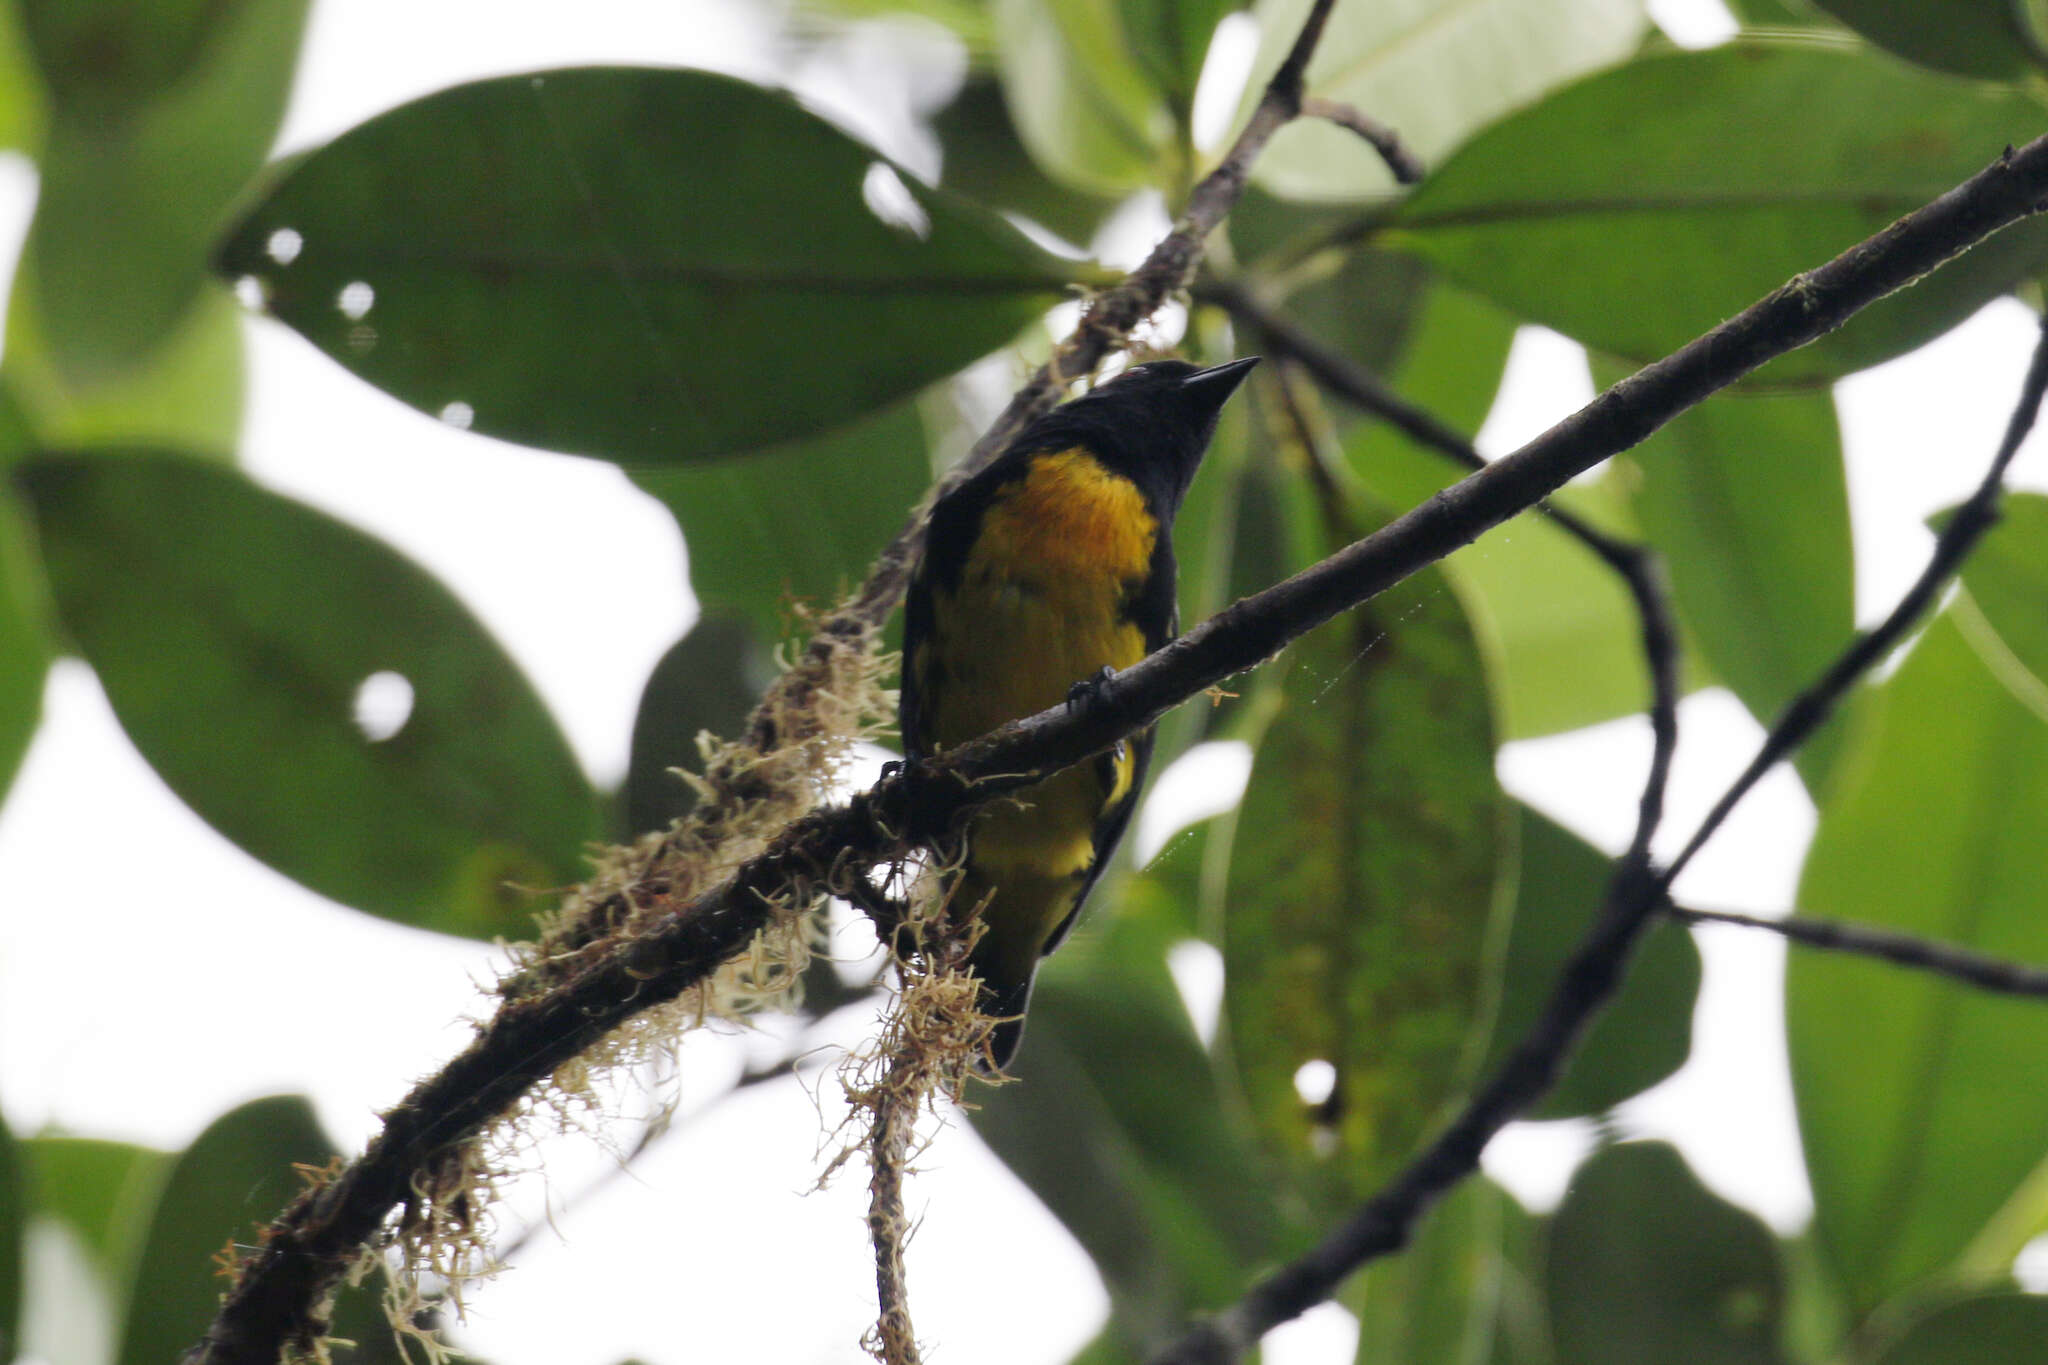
(275, 1301)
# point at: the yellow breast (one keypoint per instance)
(1039, 604)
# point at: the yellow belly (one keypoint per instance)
(1039, 606)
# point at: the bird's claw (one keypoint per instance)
(1084, 692)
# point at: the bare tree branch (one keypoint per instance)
(1811, 708)
(1407, 168)
(1636, 564)
(1110, 316)
(1383, 1225)
(530, 1038)
(1999, 975)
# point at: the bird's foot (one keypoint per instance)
(1085, 693)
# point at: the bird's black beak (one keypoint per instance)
(1211, 388)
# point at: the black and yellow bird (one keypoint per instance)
(1043, 570)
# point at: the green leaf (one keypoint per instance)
(1564, 641)
(113, 59)
(1438, 1302)
(104, 1191)
(1434, 70)
(234, 629)
(234, 1178)
(2011, 1329)
(163, 112)
(1644, 1263)
(1170, 39)
(22, 100)
(24, 636)
(798, 524)
(707, 681)
(1745, 500)
(646, 265)
(1639, 208)
(15, 1208)
(2008, 581)
(1521, 1333)
(1645, 1034)
(1084, 105)
(1962, 37)
(1777, 14)
(1363, 885)
(1566, 649)
(1817, 1322)
(1916, 1120)
(985, 161)
(1438, 347)
(1364, 309)
(968, 19)
(1118, 1125)
(186, 394)
(1108, 1348)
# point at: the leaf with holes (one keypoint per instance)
(644, 265)
(1363, 882)
(1600, 213)
(236, 631)
(1920, 1126)
(1645, 1263)
(1433, 70)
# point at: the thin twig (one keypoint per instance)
(529, 1039)
(1107, 321)
(1999, 975)
(1811, 708)
(1406, 167)
(896, 1110)
(1637, 565)
(1384, 1224)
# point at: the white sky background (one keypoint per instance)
(710, 1248)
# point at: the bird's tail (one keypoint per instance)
(1019, 918)
(1005, 1002)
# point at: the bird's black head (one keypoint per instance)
(1153, 421)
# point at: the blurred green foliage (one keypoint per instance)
(763, 320)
